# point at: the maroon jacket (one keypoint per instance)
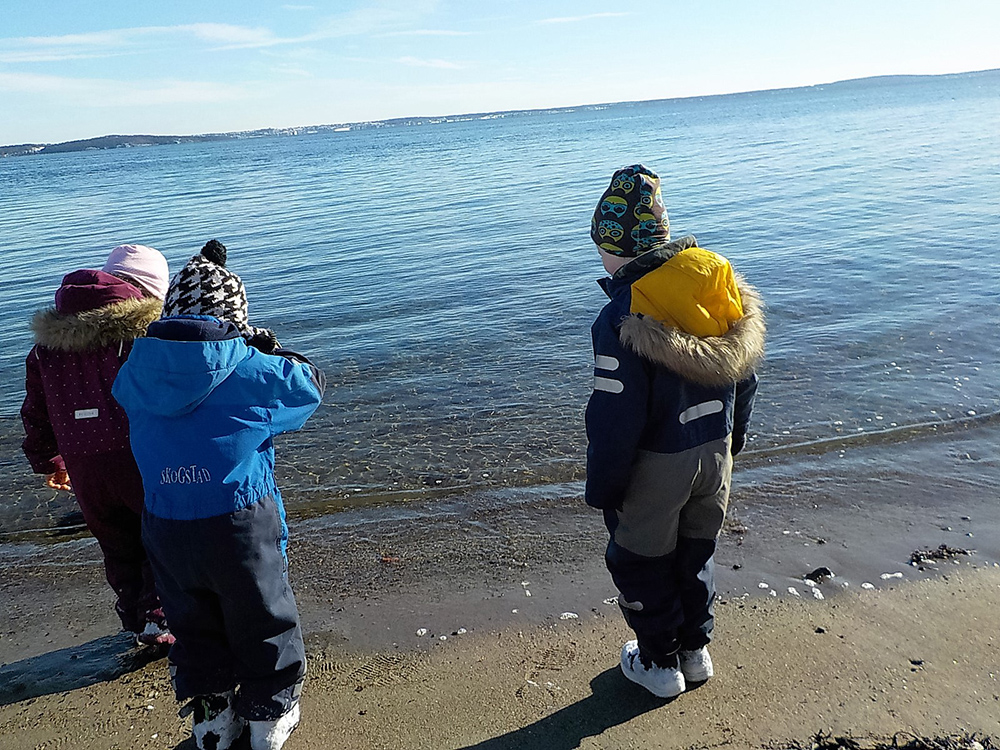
(79, 346)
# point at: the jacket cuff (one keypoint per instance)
(51, 466)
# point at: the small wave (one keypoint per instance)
(892, 435)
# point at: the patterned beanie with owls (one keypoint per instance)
(206, 287)
(630, 218)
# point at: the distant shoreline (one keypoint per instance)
(105, 142)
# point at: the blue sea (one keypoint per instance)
(443, 276)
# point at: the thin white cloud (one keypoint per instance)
(42, 56)
(92, 39)
(429, 32)
(128, 41)
(376, 17)
(418, 62)
(298, 7)
(575, 19)
(293, 70)
(222, 33)
(99, 92)
(386, 16)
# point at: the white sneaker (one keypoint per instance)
(663, 682)
(696, 665)
(214, 723)
(271, 735)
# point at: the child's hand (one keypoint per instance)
(58, 480)
(264, 340)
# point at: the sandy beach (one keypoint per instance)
(920, 658)
(485, 622)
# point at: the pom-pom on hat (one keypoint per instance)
(215, 251)
(630, 219)
(142, 266)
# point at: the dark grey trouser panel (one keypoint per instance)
(661, 553)
(675, 494)
(224, 588)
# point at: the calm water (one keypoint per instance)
(444, 277)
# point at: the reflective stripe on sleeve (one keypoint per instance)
(604, 362)
(608, 384)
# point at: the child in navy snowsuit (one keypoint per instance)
(204, 407)
(675, 352)
(78, 435)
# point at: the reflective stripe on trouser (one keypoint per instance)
(224, 586)
(662, 545)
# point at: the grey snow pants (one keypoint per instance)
(662, 547)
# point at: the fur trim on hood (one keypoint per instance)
(707, 360)
(91, 329)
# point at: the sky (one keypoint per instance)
(73, 69)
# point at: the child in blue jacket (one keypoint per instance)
(675, 354)
(204, 407)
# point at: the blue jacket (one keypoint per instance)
(203, 408)
(658, 386)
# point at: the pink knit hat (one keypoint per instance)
(144, 266)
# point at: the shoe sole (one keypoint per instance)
(698, 677)
(630, 676)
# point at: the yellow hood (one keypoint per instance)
(694, 291)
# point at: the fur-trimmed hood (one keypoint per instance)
(707, 360)
(710, 360)
(119, 321)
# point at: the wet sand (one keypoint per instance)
(499, 576)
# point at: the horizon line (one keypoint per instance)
(501, 111)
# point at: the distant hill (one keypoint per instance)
(104, 142)
(137, 141)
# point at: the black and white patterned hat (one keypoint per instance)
(203, 287)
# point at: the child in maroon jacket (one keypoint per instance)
(78, 435)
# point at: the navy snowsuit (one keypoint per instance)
(669, 410)
(203, 409)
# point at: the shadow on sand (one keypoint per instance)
(99, 660)
(613, 701)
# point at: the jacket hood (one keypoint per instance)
(89, 290)
(708, 360)
(691, 313)
(172, 377)
(111, 323)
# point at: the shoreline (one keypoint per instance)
(56, 518)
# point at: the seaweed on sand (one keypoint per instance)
(944, 552)
(899, 741)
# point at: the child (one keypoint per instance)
(675, 353)
(206, 284)
(204, 407)
(75, 429)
